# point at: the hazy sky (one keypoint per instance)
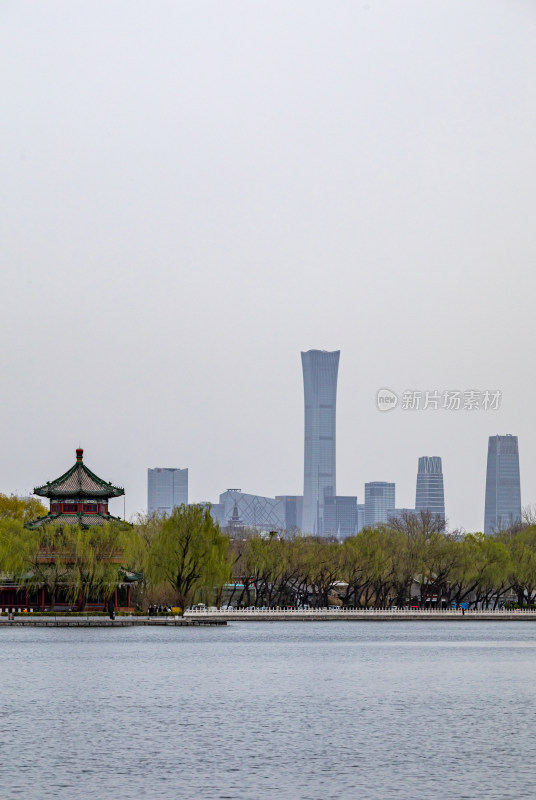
(194, 192)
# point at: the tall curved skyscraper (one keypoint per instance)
(320, 370)
(503, 491)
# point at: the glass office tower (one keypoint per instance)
(340, 516)
(320, 370)
(167, 487)
(379, 502)
(503, 490)
(430, 494)
(293, 505)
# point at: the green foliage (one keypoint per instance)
(22, 509)
(13, 542)
(186, 551)
(83, 563)
(98, 553)
(407, 559)
(185, 558)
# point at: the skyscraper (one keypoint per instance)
(430, 493)
(503, 491)
(379, 502)
(167, 487)
(320, 370)
(340, 516)
(293, 505)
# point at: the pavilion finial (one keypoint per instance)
(79, 454)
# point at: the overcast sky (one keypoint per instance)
(194, 192)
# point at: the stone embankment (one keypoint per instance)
(368, 615)
(214, 617)
(60, 621)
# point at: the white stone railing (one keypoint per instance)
(350, 612)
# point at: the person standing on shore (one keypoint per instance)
(111, 608)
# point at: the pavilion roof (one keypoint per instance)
(82, 520)
(79, 482)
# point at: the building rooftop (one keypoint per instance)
(79, 482)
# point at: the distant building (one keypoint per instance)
(503, 490)
(379, 502)
(430, 494)
(340, 516)
(293, 506)
(320, 370)
(217, 512)
(254, 511)
(360, 516)
(167, 487)
(398, 513)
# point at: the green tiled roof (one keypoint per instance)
(83, 520)
(79, 482)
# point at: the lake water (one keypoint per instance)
(304, 711)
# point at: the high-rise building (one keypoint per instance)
(167, 487)
(503, 490)
(430, 494)
(293, 505)
(379, 502)
(320, 370)
(340, 516)
(253, 510)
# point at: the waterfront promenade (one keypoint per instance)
(362, 615)
(194, 618)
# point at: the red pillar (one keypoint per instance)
(43, 599)
(128, 596)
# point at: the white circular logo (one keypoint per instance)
(386, 400)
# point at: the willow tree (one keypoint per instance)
(188, 552)
(34, 558)
(78, 564)
(98, 553)
(22, 509)
(13, 548)
(48, 552)
(365, 567)
(323, 568)
(522, 547)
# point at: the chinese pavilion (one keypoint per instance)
(79, 497)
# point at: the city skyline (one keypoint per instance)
(210, 192)
(168, 487)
